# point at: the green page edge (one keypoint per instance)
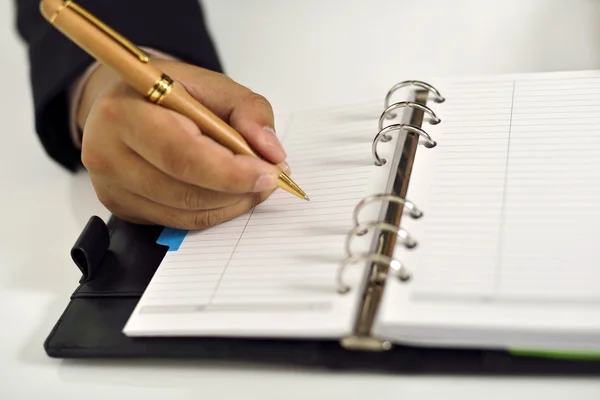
(564, 355)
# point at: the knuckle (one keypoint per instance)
(260, 101)
(108, 106)
(109, 202)
(207, 219)
(191, 199)
(221, 78)
(95, 161)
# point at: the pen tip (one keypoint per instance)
(306, 198)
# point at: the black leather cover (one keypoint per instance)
(117, 262)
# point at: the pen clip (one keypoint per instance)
(108, 30)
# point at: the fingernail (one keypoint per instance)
(273, 141)
(285, 167)
(270, 130)
(266, 181)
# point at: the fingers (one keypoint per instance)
(175, 145)
(133, 208)
(247, 112)
(143, 179)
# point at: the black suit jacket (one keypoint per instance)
(176, 27)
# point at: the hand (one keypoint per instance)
(150, 165)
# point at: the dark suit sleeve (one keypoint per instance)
(175, 27)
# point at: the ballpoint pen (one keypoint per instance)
(133, 66)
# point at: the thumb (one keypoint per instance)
(252, 116)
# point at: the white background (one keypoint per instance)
(299, 54)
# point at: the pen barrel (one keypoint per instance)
(141, 76)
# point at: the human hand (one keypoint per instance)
(150, 165)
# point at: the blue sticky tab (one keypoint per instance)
(172, 238)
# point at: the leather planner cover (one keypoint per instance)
(117, 261)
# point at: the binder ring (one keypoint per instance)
(421, 84)
(414, 212)
(409, 242)
(434, 119)
(399, 269)
(411, 128)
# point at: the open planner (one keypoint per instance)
(451, 212)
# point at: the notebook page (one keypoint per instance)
(272, 271)
(508, 242)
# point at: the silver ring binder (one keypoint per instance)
(410, 206)
(401, 104)
(421, 84)
(361, 229)
(387, 231)
(399, 269)
(396, 127)
(434, 119)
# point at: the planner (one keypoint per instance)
(454, 212)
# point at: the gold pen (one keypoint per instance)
(134, 68)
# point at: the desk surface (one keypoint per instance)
(299, 54)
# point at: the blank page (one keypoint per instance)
(272, 271)
(508, 243)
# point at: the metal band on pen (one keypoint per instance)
(160, 90)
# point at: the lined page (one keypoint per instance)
(460, 185)
(508, 242)
(272, 271)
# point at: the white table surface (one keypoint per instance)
(300, 54)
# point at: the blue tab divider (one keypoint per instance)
(172, 238)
